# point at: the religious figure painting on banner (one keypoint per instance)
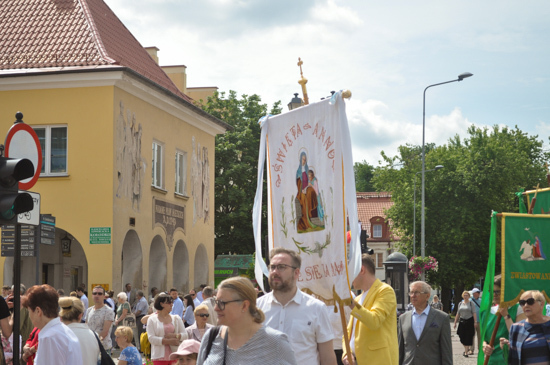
(309, 207)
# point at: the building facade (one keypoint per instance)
(128, 169)
(371, 207)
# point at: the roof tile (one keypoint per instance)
(370, 205)
(62, 33)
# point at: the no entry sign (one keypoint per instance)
(22, 142)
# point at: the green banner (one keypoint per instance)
(525, 255)
(541, 199)
(487, 298)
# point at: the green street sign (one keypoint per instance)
(100, 235)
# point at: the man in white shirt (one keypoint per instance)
(177, 308)
(301, 317)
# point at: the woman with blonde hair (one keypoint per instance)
(197, 330)
(467, 316)
(530, 339)
(241, 338)
(129, 354)
(436, 304)
(71, 314)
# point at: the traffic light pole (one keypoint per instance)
(16, 292)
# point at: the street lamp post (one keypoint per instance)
(461, 77)
(414, 206)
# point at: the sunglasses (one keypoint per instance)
(97, 293)
(204, 315)
(529, 301)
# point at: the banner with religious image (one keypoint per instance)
(538, 201)
(311, 195)
(525, 255)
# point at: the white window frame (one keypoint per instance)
(377, 230)
(47, 160)
(158, 165)
(181, 173)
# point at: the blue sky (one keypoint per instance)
(385, 52)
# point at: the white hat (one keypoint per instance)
(475, 290)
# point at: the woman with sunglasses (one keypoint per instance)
(509, 316)
(530, 339)
(165, 331)
(241, 338)
(196, 331)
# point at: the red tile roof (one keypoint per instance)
(66, 33)
(371, 205)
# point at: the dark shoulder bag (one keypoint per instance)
(211, 337)
(105, 358)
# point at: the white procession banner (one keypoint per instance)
(311, 196)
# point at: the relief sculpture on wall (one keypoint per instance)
(130, 164)
(200, 182)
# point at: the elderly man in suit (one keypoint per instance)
(371, 329)
(424, 334)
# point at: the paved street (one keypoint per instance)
(458, 349)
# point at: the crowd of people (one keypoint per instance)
(234, 325)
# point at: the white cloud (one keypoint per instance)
(386, 53)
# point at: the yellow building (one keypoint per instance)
(128, 168)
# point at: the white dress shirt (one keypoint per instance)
(303, 319)
(419, 321)
(58, 345)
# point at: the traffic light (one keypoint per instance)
(364, 248)
(12, 202)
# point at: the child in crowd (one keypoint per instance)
(187, 353)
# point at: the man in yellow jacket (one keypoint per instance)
(372, 328)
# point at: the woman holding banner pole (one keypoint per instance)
(509, 315)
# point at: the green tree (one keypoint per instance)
(236, 165)
(481, 174)
(364, 173)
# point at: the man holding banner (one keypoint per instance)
(311, 205)
(301, 317)
(373, 326)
